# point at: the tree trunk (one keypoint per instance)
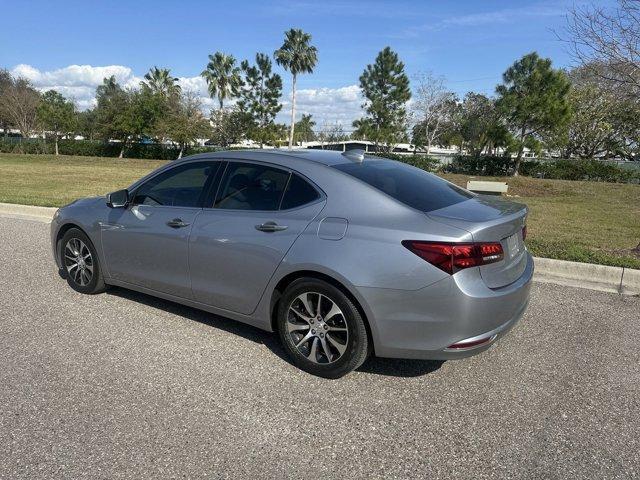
(122, 150)
(293, 110)
(181, 151)
(520, 152)
(56, 142)
(428, 146)
(518, 161)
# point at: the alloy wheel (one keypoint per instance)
(317, 327)
(78, 262)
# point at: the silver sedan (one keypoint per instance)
(342, 254)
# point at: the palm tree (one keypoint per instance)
(109, 87)
(159, 80)
(297, 56)
(222, 76)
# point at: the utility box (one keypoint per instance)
(487, 188)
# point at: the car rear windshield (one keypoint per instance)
(409, 185)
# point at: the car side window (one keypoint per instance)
(181, 186)
(251, 186)
(299, 192)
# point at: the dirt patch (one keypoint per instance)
(625, 252)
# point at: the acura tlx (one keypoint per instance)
(342, 254)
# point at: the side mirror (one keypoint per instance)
(118, 199)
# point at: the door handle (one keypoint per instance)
(271, 227)
(177, 223)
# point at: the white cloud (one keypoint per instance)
(506, 15)
(73, 75)
(327, 105)
(76, 82)
(532, 12)
(194, 84)
(79, 82)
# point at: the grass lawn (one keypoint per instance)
(52, 181)
(581, 221)
(588, 222)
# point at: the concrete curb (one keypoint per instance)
(621, 280)
(27, 212)
(630, 284)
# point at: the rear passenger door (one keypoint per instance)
(237, 243)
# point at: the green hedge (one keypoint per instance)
(593, 170)
(562, 169)
(484, 165)
(98, 149)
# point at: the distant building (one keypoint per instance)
(370, 147)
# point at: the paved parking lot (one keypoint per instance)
(122, 385)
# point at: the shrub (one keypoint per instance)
(561, 169)
(593, 170)
(482, 165)
(98, 149)
(18, 145)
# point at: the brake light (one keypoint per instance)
(524, 233)
(453, 257)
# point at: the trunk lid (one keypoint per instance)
(491, 219)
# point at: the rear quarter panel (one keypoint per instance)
(370, 254)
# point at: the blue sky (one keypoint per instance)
(469, 42)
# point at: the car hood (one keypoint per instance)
(86, 202)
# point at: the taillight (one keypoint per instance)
(524, 233)
(452, 257)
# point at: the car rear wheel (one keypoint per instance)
(80, 263)
(321, 329)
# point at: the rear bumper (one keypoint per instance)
(423, 323)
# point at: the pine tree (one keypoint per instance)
(386, 89)
(534, 99)
(260, 97)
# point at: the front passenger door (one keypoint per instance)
(146, 244)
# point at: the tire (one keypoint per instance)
(87, 277)
(341, 341)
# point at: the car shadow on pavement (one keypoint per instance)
(374, 365)
(396, 367)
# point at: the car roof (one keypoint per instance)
(278, 156)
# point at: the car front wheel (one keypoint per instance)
(80, 263)
(321, 329)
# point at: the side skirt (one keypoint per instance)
(261, 324)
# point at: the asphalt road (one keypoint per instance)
(122, 385)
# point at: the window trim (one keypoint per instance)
(205, 188)
(319, 198)
(321, 195)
